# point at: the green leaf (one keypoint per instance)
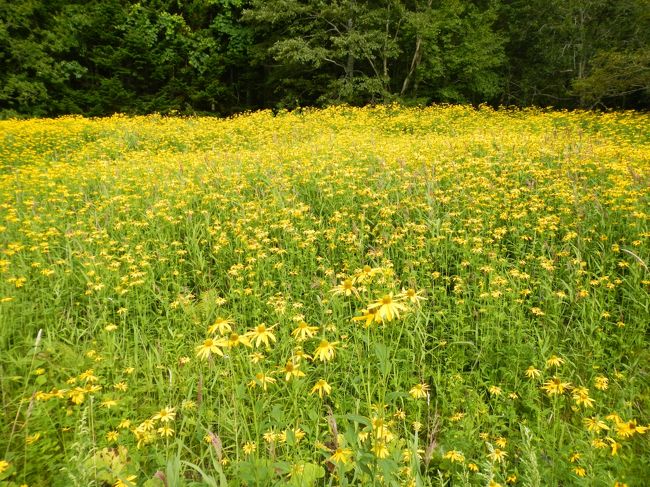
(382, 357)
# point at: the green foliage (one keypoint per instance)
(372, 52)
(555, 46)
(104, 56)
(98, 57)
(616, 75)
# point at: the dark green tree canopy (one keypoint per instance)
(223, 56)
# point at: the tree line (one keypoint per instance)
(99, 57)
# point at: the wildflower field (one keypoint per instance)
(378, 296)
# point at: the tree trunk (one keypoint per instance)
(415, 62)
(349, 66)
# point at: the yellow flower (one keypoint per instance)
(165, 415)
(112, 436)
(380, 429)
(256, 357)
(388, 308)
(249, 447)
(454, 456)
(641, 429)
(298, 434)
(532, 372)
(166, 431)
(495, 390)
(419, 391)
(88, 376)
(263, 380)
(601, 383)
(234, 339)
(598, 443)
(472, 467)
(262, 335)
(292, 370)
(146, 425)
(144, 434)
(4, 466)
(322, 387)
(554, 361)
(222, 325)
(368, 316)
(614, 417)
(594, 424)
(365, 274)
(581, 397)
(555, 386)
(271, 436)
(380, 450)
(498, 455)
(209, 347)
(304, 331)
(341, 455)
(31, 439)
(580, 471)
(614, 445)
(411, 295)
(128, 481)
(626, 429)
(325, 351)
(188, 405)
(299, 354)
(346, 288)
(321, 446)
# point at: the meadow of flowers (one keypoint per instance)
(378, 296)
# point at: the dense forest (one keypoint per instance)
(98, 57)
